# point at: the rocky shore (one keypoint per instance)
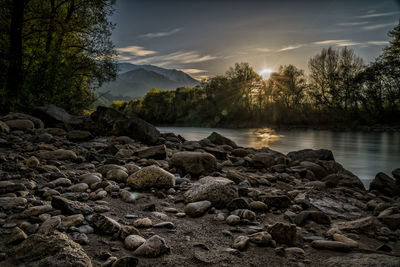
(110, 190)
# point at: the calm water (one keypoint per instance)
(363, 153)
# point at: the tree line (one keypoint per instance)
(340, 88)
(54, 51)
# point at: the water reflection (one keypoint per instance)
(363, 153)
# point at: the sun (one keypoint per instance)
(266, 72)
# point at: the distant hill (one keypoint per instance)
(136, 80)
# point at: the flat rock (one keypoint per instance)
(194, 163)
(70, 206)
(330, 245)
(218, 190)
(151, 176)
(59, 154)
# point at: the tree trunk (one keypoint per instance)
(14, 77)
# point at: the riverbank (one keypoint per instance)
(107, 190)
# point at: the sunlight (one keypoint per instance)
(266, 72)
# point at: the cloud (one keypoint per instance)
(263, 50)
(376, 15)
(180, 57)
(193, 71)
(379, 26)
(160, 34)
(290, 47)
(134, 50)
(352, 23)
(330, 42)
(378, 42)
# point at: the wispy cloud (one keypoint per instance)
(378, 42)
(180, 57)
(376, 15)
(379, 26)
(160, 34)
(352, 23)
(263, 50)
(134, 50)
(290, 47)
(330, 42)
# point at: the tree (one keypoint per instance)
(66, 52)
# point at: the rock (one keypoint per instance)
(55, 249)
(108, 121)
(218, 190)
(143, 223)
(4, 128)
(362, 225)
(235, 176)
(153, 247)
(279, 202)
(132, 168)
(7, 203)
(58, 117)
(258, 206)
(392, 221)
(117, 175)
(105, 225)
(20, 125)
(194, 163)
(238, 203)
(78, 135)
(330, 245)
(197, 209)
(233, 220)
(218, 139)
(49, 225)
(151, 176)
(11, 187)
(396, 175)
(90, 178)
(154, 152)
(132, 242)
(245, 214)
(310, 154)
(283, 233)
(363, 259)
(241, 242)
(16, 236)
(344, 239)
(262, 239)
(384, 248)
(35, 211)
(316, 216)
(32, 162)
(127, 261)
(127, 230)
(59, 154)
(72, 220)
(316, 169)
(80, 238)
(263, 160)
(340, 179)
(384, 185)
(70, 206)
(295, 252)
(168, 225)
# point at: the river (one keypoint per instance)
(363, 153)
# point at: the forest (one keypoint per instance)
(60, 51)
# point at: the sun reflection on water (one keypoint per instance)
(266, 136)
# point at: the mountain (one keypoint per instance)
(136, 80)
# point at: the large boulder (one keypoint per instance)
(340, 179)
(311, 155)
(151, 176)
(55, 249)
(108, 121)
(20, 125)
(58, 117)
(316, 169)
(218, 190)
(384, 185)
(218, 139)
(194, 163)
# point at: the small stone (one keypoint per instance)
(60, 154)
(49, 225)
(241, 242)
(262, 239)
(344, 239)
(153, 247)
(32, 162)
(73, 220)
(233, 220)
(127, 230)
(283, 233)
(132, 242)
(258, 206)
(330, 245)
(80, 238)
(168, 225)
(127, 261)
(197, 209)
(117, 175)
(105, 224)
(17, 236)
(143, 223)
(151, 176)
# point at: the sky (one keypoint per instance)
(205, 37)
